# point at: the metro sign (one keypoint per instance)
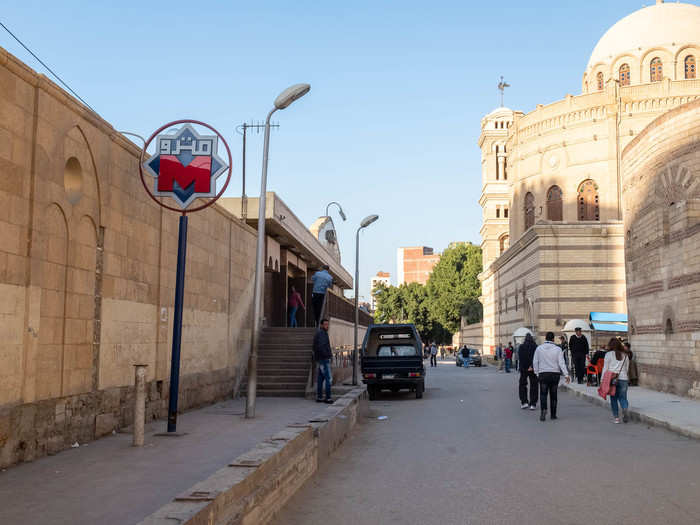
(185, 166)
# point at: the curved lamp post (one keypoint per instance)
(365, 222)
(284, 99)
(340, 210)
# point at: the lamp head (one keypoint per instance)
(368, 220)
(290, 94)
(342, 214)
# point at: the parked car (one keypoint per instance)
(475, 357)
(468, 353)
(391, 358)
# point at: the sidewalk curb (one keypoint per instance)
(254, 487)
(636, 415)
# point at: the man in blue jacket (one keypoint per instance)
(323, 355)
(321, 280)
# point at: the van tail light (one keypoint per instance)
(414, 374)
(369, 376)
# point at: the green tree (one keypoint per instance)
(453, 287)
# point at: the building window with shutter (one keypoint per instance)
(588, 202)
(625, 75)
(690, 66)
(529, 210)
(554, 204)
(656, 70)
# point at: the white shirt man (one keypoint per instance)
(548, 363)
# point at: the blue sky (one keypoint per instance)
(397, 92)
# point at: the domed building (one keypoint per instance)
(553, 232)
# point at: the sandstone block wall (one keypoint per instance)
(556, 272)
(661, 188)
(87, 270)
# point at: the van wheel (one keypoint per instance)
(419, 390)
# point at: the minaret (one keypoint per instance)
(494, 200)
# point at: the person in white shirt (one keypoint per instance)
(548, 364)
(617, 361)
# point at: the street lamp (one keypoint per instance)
(340, 210)
(284, 99)
(365, 222)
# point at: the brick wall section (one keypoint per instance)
(87, 271)
(554, 273)
(661, 189)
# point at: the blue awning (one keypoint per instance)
(609, 327)
(608, 317)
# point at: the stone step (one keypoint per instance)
(275, 365)
(287, 358)
(277, 393)
(284, 371)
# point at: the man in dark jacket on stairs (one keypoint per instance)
(323, 355)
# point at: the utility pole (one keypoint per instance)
(243, 130)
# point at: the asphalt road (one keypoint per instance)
(466, 453)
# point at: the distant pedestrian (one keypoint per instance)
(321, 280)
(323, 355)
(433, 355)
(442, 353)
(465, 356)
(616, 376)
(548, 363)
(526, 352)
(578, 344)
(499, 352)
(564, 350)
(508, 357)
(295, 302)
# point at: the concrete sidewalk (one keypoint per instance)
(675, 413)
(109, 482)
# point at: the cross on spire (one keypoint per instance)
(502, 85)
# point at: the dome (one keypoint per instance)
(659, 25)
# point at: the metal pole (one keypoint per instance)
(244, 197)
(259, 281)
(357, 309)
(139, 404)
(177, 323)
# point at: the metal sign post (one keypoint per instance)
(185, 167)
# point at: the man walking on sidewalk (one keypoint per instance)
(323, 355)
(526, 353)
(321, 280)
(433, 355)
(548, 363)
(578, 345)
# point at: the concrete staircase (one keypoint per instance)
(284, 361)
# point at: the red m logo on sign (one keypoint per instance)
(197, 171)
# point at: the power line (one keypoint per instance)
(47, 67)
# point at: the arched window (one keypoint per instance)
(588, 208)
(625, 75)
(600, 81)
(529, 210)
(656, 69)
(554, 204)
(504, 242)
(690, 66)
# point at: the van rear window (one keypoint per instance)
(396, 351)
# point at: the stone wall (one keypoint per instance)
(661, 189)
(554, 273)
(87, 270)
(472, 335)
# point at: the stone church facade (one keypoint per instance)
(553, 198)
